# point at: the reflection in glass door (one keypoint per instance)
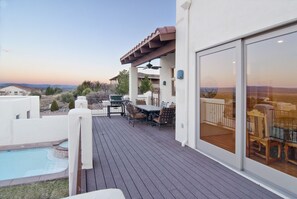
(271, 122)
(217, 98)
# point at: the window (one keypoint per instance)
(217, 98)
(17, 116)
(173, 87)
(271, 96)
(28, 114)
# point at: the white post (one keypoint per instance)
(79, 121)
(81, 102)
(167, 63)
(133, 84)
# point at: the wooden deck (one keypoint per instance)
(145, 162)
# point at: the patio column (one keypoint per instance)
(167, 63)
(133, 83)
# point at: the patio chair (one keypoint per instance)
(258, 137)
(140, 102)
(134, 115)
(163, 104)
(165, 117)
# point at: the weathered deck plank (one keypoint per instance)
(147, 163)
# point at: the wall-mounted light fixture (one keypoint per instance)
(164, 83)
(180, 74)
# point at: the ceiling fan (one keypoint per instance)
(149, 66)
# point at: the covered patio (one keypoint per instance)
(158, 45)
(145, 162)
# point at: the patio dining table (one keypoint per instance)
(149, 110)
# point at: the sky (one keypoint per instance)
(69, 41)
(270, 62)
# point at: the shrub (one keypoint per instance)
(67, 97)
(71, 104)
(86, 91)
(54, 106)
(36, 94)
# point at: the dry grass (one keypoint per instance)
(41, 190)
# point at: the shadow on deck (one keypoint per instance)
(145, 162)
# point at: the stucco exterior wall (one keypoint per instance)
(46, 129)
(25, 130)
(210, 23)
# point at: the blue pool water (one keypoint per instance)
(29, 162)
(64, 144)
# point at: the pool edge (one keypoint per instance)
(33, 179)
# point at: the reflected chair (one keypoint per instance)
(258, 137)
(134, 115)
(165, 117)
(288, 146)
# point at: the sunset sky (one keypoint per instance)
(69, 41)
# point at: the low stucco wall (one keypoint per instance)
(29, 131)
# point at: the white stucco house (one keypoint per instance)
(230, 60)
(14, 90)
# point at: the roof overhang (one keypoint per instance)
(159, 43)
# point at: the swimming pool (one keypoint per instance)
(30, 162)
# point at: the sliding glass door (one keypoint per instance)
(217, 100)
(271, 105)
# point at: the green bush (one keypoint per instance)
(67, 97)
(86, 91)
(71, 104)
(54, 106)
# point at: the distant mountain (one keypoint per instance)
(267, 89)
(41, 86)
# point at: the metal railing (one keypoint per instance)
(284, 125)
(217, 114)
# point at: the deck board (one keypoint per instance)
(145, 162)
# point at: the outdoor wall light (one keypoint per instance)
(180, 74)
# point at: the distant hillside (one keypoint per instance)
(41, 86)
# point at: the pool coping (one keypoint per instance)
(31, 145)
(38, 178)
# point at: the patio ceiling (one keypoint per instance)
(157, 44)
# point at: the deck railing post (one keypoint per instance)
(80, 141)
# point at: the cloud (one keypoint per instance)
(6, 50)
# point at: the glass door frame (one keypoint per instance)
(263, 172)
(231, 159)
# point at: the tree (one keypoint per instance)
(123, 83)
(54, 106)
(71, 104)
(49, 91)
(93, 86)
(145, 85)
(57, 90)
